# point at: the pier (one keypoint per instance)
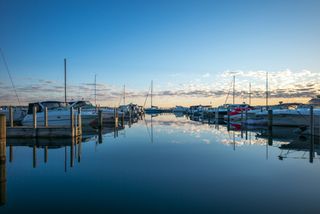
(45, 130)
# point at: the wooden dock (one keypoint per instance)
(45, 131)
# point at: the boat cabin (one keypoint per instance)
(49, 104)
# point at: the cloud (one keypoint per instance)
(282, 84)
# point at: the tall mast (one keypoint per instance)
(267, 89)
(65, 80)
(250, 93)
(124, 94)
(234, 92)
(95, 89)
(151, 91)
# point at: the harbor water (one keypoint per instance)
(164, 164)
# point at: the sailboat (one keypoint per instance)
(153, 109)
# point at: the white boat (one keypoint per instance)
(87, 106)
(291, 117)
(58, 114)
(18, 114)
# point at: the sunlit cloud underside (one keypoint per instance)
(208, 88)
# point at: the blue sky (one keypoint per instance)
(181, 45)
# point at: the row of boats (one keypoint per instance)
(284, 114)
(59, 113)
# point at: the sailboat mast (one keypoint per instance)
(267, 89)
(95, 89)
(234, 92)
(65, 80)
(250, 93)
(151, 91)
(124, 94)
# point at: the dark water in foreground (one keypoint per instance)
(172, 165)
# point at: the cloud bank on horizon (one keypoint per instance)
(282, 84)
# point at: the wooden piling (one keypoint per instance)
(3, 173)
(11, 116)
(3, 127)
(72, 121)
(45, 117)
(116, 117)
(100, 119)
(34, 117)
(79, 121)
(270, 119)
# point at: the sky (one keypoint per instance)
(190, 49)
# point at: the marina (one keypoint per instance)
(159, 107)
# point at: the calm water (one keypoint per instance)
(166, 164)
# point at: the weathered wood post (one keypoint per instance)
(34, 117)
(11, 116)
(79, 121)
(45, 117)
(3, 127)
(3, 173)
(270, 119)
(72, 121)
(116, 118)
(100, 119)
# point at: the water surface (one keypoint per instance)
(164, 164)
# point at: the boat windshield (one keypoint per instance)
(53, 105)
(82, 104)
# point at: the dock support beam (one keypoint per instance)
(100, 119)
(11, 116)
(3, 173)
(45, 117)
(34, 117)
(72, 121)
(79, 121)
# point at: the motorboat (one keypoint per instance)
(18, 114)
(58, 114)
(291, 117)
